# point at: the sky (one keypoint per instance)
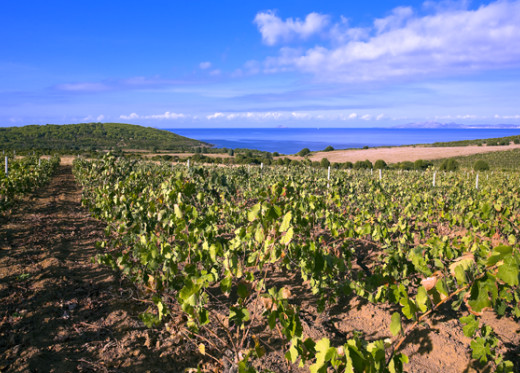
(211, 64)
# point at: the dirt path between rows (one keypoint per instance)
(59, 312)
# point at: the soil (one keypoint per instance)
(62, 312)
(406, 153)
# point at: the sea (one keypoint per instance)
(292, 140)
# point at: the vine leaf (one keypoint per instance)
(395, 325)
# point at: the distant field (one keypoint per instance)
(406, 153)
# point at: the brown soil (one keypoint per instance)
(60, 312)
(406, 153)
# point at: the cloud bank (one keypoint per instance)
(446, 42)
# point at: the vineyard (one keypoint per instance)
(23, 176)
(240, 262)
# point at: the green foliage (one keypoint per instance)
(328, 149)
(304, 152)
(380, 165)
(481, 165)
(207, 239)
(90, 136)
(421, 164)
(449, 165)
(363, 165)
(24, 176)
(324, 163)
(406, 165)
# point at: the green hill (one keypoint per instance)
(93, 136)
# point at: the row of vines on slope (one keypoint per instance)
(207, 241)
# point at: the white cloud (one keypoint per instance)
(131, 116)
(100, 118)
(166, 115)
(507, 116)
(274, 29)
(397, 19)
(292, 116)
(215, 116)
(205, 65)
(82, 87)
(449, 41)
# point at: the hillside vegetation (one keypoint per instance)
(93, 136)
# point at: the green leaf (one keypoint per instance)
(324, 353)
(150, 320)
(395, 325)
(481, 296)
(286, 222)
(508, 272)
(292, 354)
(253, 213)
(422, 299)
(470, 325)
(177, 211)
(409, 308)
(225, 284)
(286, 239)
(480, 350)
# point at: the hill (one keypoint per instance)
(93, 136)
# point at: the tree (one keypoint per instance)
(380, 165)
(304, 152)
(421, 164)
(406, 165)
(481, 165)
(328, 149)
(363, 165)
(324, 163)
(449, 165)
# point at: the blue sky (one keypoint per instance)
(260, 63)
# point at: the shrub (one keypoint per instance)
(421, 164)
(449, 165)
(324, 163)
(380, 165)
(304, 152)
(481, 165)
(359, 165)
(328, 149)
(406, 165)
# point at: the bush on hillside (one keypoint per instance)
(406, 165)
(324, 163)
(481, 165)
(449, 165)
(380, 165)
(363, 165)
(421, 164)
